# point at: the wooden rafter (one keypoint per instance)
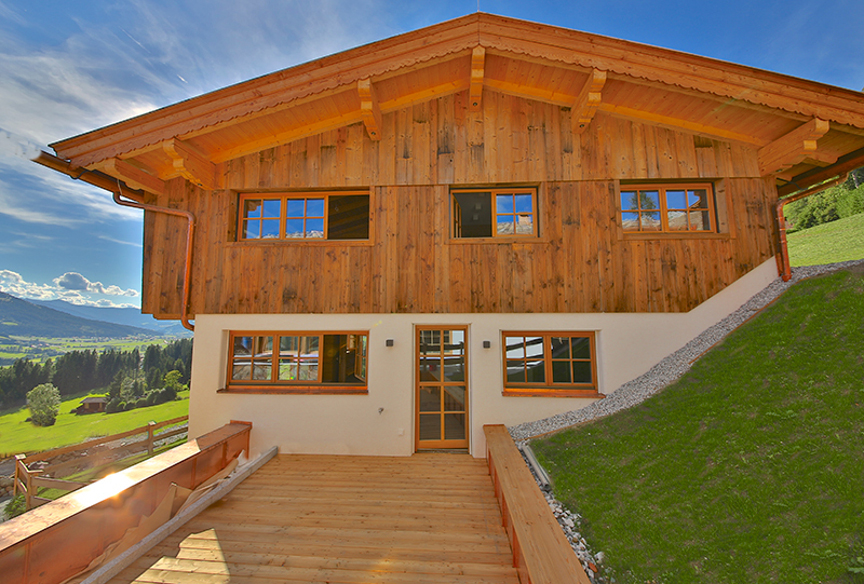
(369, 108)
(191, 163)
(133, 176)
(478, 66)
(588, 101)
(791, 149)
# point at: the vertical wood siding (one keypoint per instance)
(582, 262)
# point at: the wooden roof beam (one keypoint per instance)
(791, 149)
(133, 176)
(370, 110)
(191, 163)
(588, 101)
(478, 67)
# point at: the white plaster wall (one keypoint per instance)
(627, 346)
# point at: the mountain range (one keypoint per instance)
(58, 319)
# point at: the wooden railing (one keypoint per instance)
(59, 539)
(28, 482)
(541, 553)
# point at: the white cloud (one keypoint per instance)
(75, 282)
(71, 287)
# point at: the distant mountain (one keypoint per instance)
(124, 316)
(21, 318)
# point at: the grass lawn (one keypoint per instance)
(40, 349)
(749, 469)
(18, 436)
(837, 241)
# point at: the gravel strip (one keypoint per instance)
(675, 365)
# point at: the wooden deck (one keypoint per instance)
(427, 519)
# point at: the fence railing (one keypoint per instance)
(58, 540)
(541, 553)
(29, 481)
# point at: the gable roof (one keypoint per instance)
(800, 127)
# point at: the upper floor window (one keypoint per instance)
(668, 208)
(307, 216)
(494, 213)
(559, 363)
(311, 362)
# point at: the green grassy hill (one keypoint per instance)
(749, 469)
(837, 241)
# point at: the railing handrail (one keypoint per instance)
(48, 454)
(45, 544)
(541, 552)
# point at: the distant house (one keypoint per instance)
(483, 221)
(92, 405)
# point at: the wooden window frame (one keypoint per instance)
(284, 197)
(548, 388)
(456, 211)
(663, 210)
(300, 386)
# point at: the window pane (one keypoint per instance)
(294, 228)
(698, 199)
(676, 199)
(560, 347)
(699, 221)
(504, 204)
(516, 371)
(524, 224)
(454, 398)
(630, 221)
(504, 224)
(252, 208)
(348, 217)
(287, 370)
(454, 426)
(524, 203)
(536, 372)
(580, 347)
(650, 221)
(534, 346)
(430, 427)
(295, 207)
(272, 208)
(314, 207)
(629, 201)
(472, 213)
(561, 372)
(251, 229)
(261, 371)
(515, 346)
(270, 229)
(582, 372)
(649, 200)
(430, 399)
(430, 369)
(315, 228)
(677, 220)
(308, 371)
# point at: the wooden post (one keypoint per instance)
(18, 459)
(150, 430)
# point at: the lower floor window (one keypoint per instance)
(563, 363)
(290, 361)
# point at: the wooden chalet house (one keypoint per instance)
(483, 221)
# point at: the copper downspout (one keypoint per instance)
(785, 267)
(109, 183)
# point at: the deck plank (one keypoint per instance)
(427, 519)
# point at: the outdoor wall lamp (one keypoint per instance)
(389, 342)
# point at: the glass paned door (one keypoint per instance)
(442, 389)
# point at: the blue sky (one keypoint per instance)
(70, 67)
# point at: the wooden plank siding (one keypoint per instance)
(582, 262)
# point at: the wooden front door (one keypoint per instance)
(441, 396)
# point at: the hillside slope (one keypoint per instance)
(21, 318)
(749, 468)
(124, 316)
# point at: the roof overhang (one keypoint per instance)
(800, 128)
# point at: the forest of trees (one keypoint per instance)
(122, 374)
(837, 202)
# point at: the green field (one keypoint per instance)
(38, 350)
(18, 436)
(838, 241)
(750, 468)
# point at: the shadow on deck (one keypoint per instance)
(430, 518)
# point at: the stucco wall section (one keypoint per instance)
(627, 346)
